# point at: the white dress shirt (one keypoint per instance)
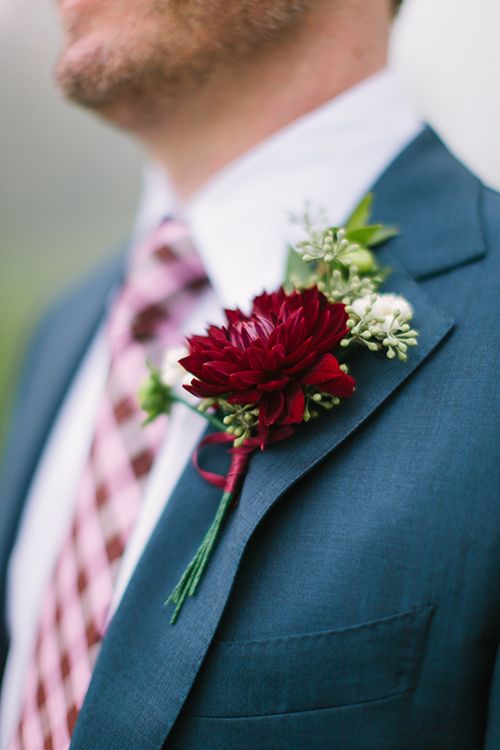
(240, 223)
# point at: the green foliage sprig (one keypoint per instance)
(341, 263)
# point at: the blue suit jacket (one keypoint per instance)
(353, 601)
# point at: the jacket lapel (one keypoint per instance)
(146, 666)
(436, 203)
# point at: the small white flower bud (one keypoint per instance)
(172, 372)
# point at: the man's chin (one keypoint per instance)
(88, 73)
(97, 74)
(133, 91)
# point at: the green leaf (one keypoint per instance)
(364, 235)
(371, 235)
(297, 271)
(383, 235)
(361, 214)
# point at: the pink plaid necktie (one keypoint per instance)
(159, 292)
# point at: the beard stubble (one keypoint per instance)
(164, 52)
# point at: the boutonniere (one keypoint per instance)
(262, 374)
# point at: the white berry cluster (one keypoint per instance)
(381, 322)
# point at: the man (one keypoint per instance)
(352, 601)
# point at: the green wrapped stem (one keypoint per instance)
(191, 577)
(211, 419)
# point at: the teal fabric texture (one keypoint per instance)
(353, 600)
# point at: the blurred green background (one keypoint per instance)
(69, 185)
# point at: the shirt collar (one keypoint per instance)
(328, 159)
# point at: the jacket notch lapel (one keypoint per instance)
(436, 204)
(147, 667)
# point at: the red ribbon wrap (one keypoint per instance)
(240, 458)
(239, 463)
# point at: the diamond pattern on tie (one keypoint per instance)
(160, 290)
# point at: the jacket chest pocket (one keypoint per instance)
(365, 662)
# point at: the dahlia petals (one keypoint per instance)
(271, 407)
(256, 357)
(266, 358)
(303, 364)
(192, 364)
(217, 334)
(329, 342)
(234, 316)
(296, 330)
(244, 379)
(218, 371)
(342, 385)
(203, 390)
(295, 404)
(301, 351)
(274, 359)
(273, 385)
(324, 370)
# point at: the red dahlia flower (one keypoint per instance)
(268, 358)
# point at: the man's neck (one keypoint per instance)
(246, 105)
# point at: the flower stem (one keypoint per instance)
(191, 577)
(209, 417)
